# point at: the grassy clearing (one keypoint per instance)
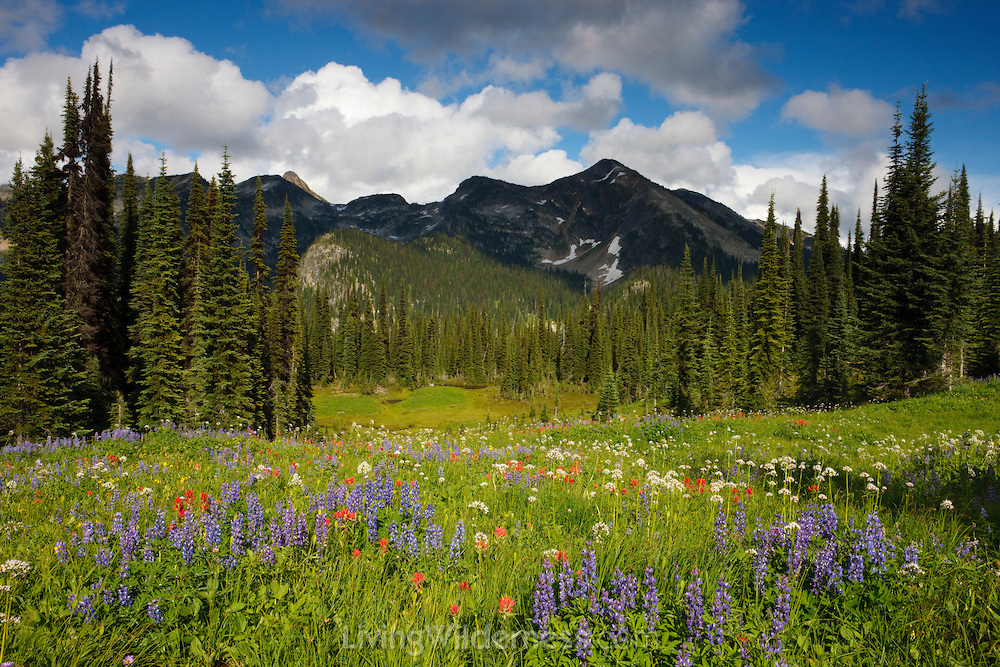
(438, 407)
(806, 538)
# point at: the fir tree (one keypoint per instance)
(44, 387)
(156, 351)
(221, 369)
(768, 340)
(904, 288)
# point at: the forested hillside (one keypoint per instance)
(157, 312)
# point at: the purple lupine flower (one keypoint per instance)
(614, 611)
(74, 541)
(288, 521)
(433, 537)
(62, 555)
(651, 600)
(371, 523)
(160, 524)
(457, 542)
(721, 608)
(588, 578)
(255, 520)
(300, 532)
(124, 596)
(720, 531)
(394, 536)
(410, 538)
(153, 611)
(544, 600)
(267, 554)
(322, 531)
(84, 606)
(187, 542)
(584, 641)
(967, 547)
(695, 607)
(103, 557)
(875, 542)
(740, 521)
(213, 531)
(761, 561)
(684, 655)
(117, 524)
(236, 544)
(566, 584)
(828, 574)
(128, 541)
(780, 616)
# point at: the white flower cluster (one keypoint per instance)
(18, 567)
(600, 530)
(364, 468)
(479, 505)
(296, 480)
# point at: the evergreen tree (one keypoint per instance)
(767, 343)
(607, 405)
(90, 266)
(688, 342)
(960, 271)
(904, 288)
(289, 370)
(156, 352)
(128, 238)
(44, 388)
(221, 369)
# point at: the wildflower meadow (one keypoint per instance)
(861, 537)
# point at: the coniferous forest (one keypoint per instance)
(142, 313)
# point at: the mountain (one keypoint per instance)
(604, 222)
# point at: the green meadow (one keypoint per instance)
(408, 530)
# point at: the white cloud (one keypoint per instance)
(683, 152)
(349, 137)
(855, 113)
(166, 89)
(686, 50)
(26, 24)
(536, 169)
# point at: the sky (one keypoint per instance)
(736, 100)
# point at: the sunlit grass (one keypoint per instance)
(377, 546)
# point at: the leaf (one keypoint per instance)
(278, 590)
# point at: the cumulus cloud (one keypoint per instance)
(854, 113)
(348, 136)
(165, 88)
(683, 152)
(26, 24)
(686, 50)
(536, 169)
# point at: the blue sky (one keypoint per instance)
(735, 100)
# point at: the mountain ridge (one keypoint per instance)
(603, 222)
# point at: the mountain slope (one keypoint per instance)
(603, 222)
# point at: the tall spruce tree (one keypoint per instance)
(769, 338)
(157, 348)
(221, 369)
(44, 389)
(90, 265)
(904, 288)
(290, 370)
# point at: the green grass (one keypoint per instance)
(307, 583)
(431, 398)
(439, 407)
